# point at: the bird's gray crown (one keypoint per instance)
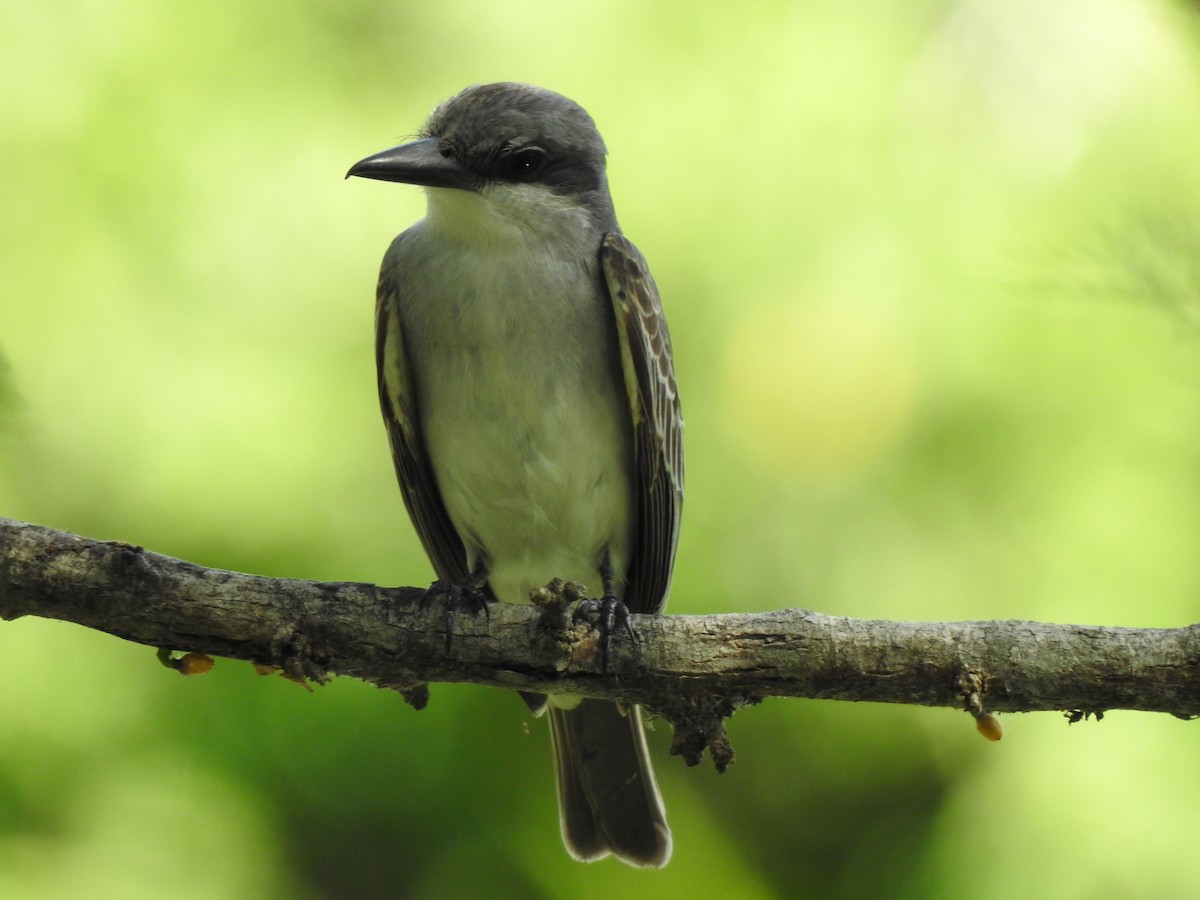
(521, 133)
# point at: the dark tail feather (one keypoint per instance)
(607, 797)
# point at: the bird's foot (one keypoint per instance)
(456, 597)
(606, 614)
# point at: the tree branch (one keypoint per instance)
(691, 670)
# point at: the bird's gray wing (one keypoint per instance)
(398, 399)
(657, 422)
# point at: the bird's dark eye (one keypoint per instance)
(524, 164)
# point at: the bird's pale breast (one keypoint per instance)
(523, 412)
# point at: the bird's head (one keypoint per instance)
(514, 152)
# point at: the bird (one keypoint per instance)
(527, 384)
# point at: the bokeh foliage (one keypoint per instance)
(931, 274)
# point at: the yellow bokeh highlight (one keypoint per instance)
(817, 390)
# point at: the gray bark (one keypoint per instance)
(693, 671)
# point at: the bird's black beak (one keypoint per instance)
(421, 162)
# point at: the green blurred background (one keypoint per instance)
(931, 271)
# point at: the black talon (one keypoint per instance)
(467, 595)
(609, 613)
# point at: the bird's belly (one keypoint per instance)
(533, 464)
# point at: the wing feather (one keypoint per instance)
(657, 421)
(398, 400)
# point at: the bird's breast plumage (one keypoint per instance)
(522, 408)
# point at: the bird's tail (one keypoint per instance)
(607, 797)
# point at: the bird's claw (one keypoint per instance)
(456, 597)
(606, 614)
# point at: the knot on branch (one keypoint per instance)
(972, 684)
(699, 723)
(416, 695)
(292, 651)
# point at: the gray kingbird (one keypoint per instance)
(527, 386)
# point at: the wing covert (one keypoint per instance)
(657, 421)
